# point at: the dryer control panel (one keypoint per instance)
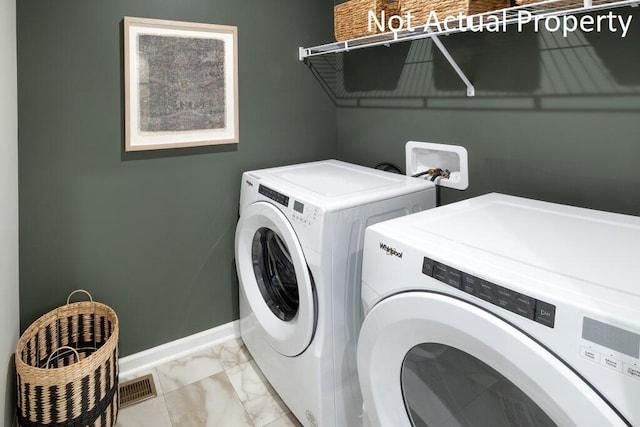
(616, 348)
(523, 305)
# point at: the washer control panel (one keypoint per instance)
(533, 309)
(304, 214)
(274, 195)
(300, 213)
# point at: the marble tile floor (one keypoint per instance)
(220, 387)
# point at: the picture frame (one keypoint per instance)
(181, 84)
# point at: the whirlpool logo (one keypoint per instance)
(390, 251)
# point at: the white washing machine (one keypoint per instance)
(502, 311)
(298, 256)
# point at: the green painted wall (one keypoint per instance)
(554, 118)
(150, 234)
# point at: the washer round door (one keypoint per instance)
(275, 278)
(427, 359)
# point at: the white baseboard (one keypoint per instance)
(182, 347)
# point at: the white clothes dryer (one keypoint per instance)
(298, 255)
(502, 311)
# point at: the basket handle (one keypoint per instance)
(64, 347)
(94, 310)
(76, 291)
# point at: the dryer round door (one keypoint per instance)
(427, 359)
(275, 278)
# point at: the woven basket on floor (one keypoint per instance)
(351, 18)
(67, 367)
(421, 9)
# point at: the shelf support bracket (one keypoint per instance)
(471, 91)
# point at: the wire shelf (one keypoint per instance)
(478, 22)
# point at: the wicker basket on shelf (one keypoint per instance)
(420, 9)
(67, 367)
(351, 18)
(562, 4)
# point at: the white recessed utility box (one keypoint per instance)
(422, 156)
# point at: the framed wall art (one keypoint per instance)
(181, 84)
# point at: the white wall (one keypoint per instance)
(8, 208)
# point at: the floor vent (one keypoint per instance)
(137, 390)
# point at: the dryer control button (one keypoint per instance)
(504, 298)
(525, 305)
(590, 354)
(487, 291)
(455, 278)
(441, 272)
(545, 313)
(612, 363)
(427, 266)
(631, 370)
(470, 283)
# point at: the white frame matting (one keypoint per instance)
(181, 84)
